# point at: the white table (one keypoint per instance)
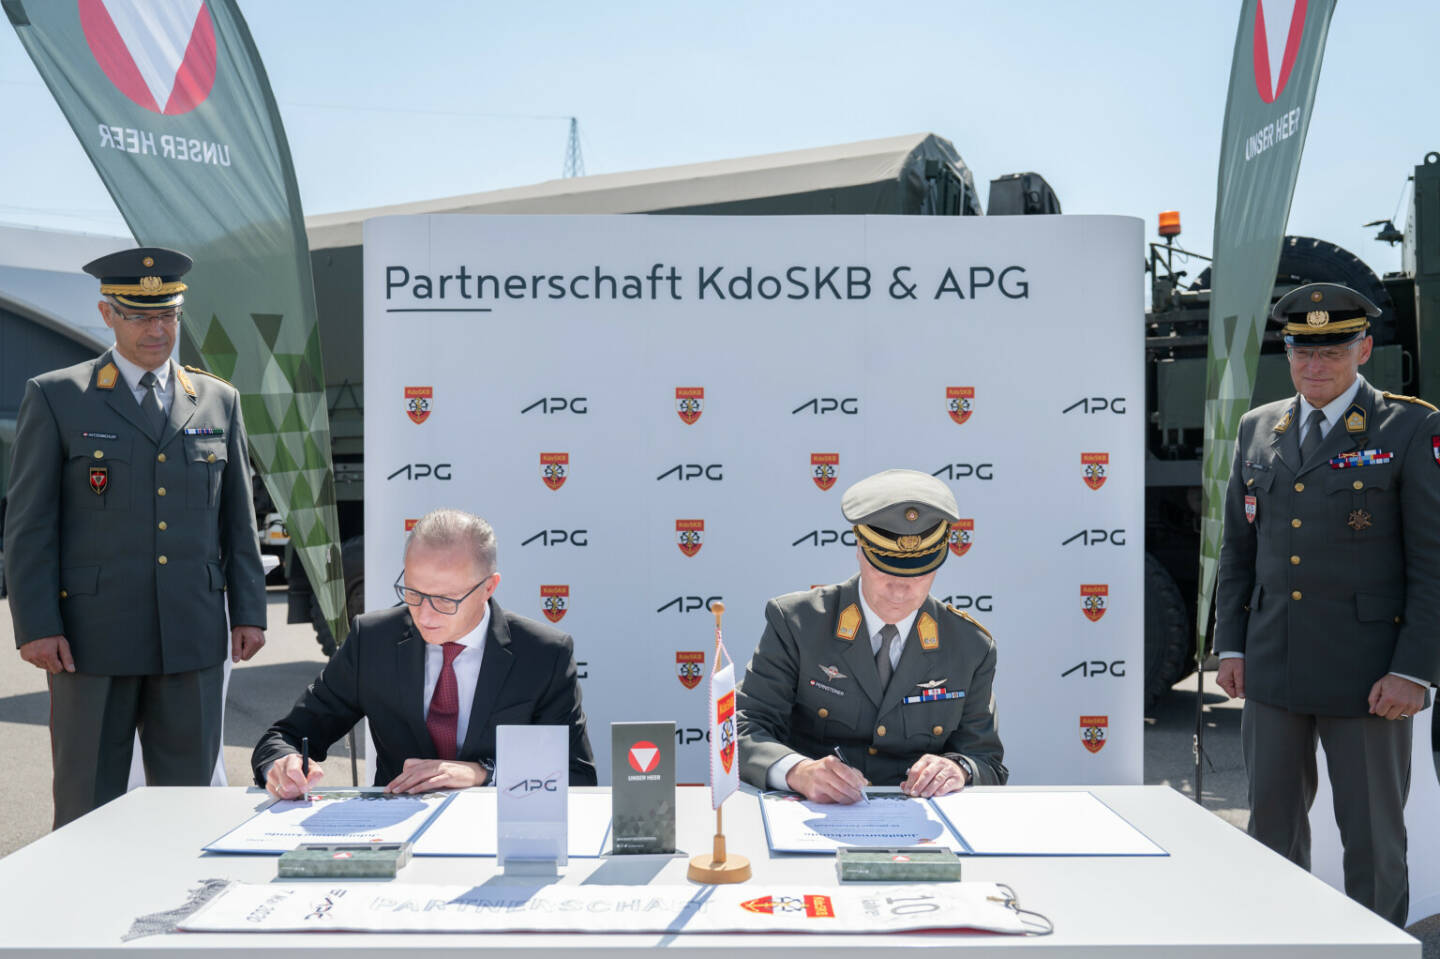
(76, 891)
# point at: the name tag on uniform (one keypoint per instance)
(1361, 458)
(934, 695)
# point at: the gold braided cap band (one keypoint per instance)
(904, 555)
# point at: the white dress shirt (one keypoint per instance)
(780, 768)
(164, 386)
(467, 673)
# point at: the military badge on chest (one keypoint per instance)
(1251, 506)
(99, 479)
(1359, 519)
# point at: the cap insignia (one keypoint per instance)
(148, 262)
(849, 623)
(105, 379)
(1317, 317)
(928, 631)
(150, 284)
(908, 543)
(912, 514)
(1316, 296)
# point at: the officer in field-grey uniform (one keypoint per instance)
(129, 519)
(1328, 596)
(875, 666)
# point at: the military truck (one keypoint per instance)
(1406, 359)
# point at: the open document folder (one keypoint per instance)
(993, 823)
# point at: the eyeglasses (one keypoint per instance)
(441, 604)
(166, 317)
(1330, 354)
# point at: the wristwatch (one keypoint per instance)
(489, 766)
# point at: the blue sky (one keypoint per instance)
(1118, 104)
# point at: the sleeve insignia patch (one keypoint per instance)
(849, 623)
(929, 632)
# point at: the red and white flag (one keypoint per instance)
(724, 758)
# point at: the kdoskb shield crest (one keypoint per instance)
(690, 666)
(419, 400)
(1095, 467)
(1251, 507)
(689, 402)
(1435, 448)
(725, 722)
(1093, 600)
(410, 524)
(959, 402)
(99, 479)
(690, 535)
(1092, 732)
(555, 602)
(554, 469)
(962, 535)
(824, 468)
(816, 907)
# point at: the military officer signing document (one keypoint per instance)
(874, 680)
(1328, 595)
(129, 532)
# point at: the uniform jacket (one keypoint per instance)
(527, 676)
(809, 688)
(1332, 578)
(123, 542)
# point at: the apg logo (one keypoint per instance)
(689, 403)
(1273, 37)
(689, 667)
(959, 402)
(1094, 469)
(1093, 600)
(962, 536)
(690, 535)
(555, 601)
(418, 402)
(554, 469)
(644, 756)
(824, 468)
(160, 54)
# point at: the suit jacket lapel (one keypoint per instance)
(855, 653)
(182, 407)
(121, 399)
(410, 682)
(494, 668)
(1286, 445)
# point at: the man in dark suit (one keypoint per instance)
(875, 668)
(1328, 594)
(435, 676)
(129, 530)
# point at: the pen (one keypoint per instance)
(840, 755)
(305, 765)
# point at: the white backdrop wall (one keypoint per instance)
(488, 331)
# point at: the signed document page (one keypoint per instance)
(1062, 823)
(340, 815)
(794, 824)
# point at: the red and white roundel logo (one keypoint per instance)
(159, 53)
(1275, 45)
(644, 756)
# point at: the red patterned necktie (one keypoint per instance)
(444, 715)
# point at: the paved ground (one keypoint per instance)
(262, 690)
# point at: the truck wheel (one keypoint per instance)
(1169, 634)
(1304, 259)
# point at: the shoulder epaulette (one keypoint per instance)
(213, 376)
(1408, 399)
(971, 620)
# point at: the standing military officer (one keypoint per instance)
(1329, 594)
(130, 526)
(874, 678)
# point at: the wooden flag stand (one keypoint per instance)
(718, 868)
